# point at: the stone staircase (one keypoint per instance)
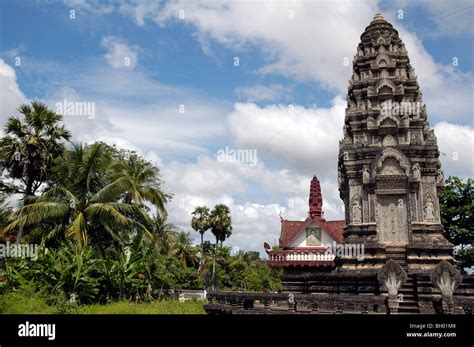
(409, 296)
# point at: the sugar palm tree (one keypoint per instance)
(221, 222)
(221, 227)
(200, 221)
(83, 204)
(31, 145)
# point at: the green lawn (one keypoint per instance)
(19, 303)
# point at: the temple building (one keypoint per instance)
(389, 178)
(307, 243)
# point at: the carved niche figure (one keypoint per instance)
(431, 138)
(352, 105)
(370, 122)
(415, 172)
(366, 175)
(356, 211)
(416, 138)
(406, 121)
(439, 176)
(403, 74)
(429, 209)
(389, 140)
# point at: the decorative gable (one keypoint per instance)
(311, 235)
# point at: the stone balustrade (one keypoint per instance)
(298, 256)
(285, 303)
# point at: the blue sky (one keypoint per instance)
(290, 53)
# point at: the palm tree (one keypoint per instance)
(141, 182)
(164, 234)
(200, 221)
(184, 250)
(221, 222)
(221, 227)
(83, 204)
(29, 147)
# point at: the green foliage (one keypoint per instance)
(100, 221)
(62, 271)
(221, 222)
(201, 221)
(87, 201)
(30, 146)
(457, 215)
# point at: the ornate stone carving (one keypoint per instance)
(439, 177)
(415, 172)
(360, 139)
(366, 175)
(416, 137)
(430, 215)
(391, 276)
(446, 278)
(394, 153)
(370, 123)
(356, 211)
(431, 138)
(392, 219)
(389, 140)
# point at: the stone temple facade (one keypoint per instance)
(389, 177)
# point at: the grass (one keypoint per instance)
(154, 307)
(19, 303)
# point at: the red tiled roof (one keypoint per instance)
(291, 229)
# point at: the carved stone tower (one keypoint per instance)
(389, 172)
(315, 200)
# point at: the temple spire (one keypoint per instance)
(315, 200)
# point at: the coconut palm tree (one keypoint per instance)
(200, 221)
(184, 250)
(164, 234)
(31, 145)
(84, 203)
(141, 182)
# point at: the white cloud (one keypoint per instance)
(209, 182)
(119, 55)
(263, 92)
(93, 7)
(10, 94)
(305, 139)
(139, 10)
(312, 46)
(456, 143)
(445, 17)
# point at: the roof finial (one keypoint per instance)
(315, 200)
(378, 17)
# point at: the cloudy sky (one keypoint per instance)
(185, 81)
